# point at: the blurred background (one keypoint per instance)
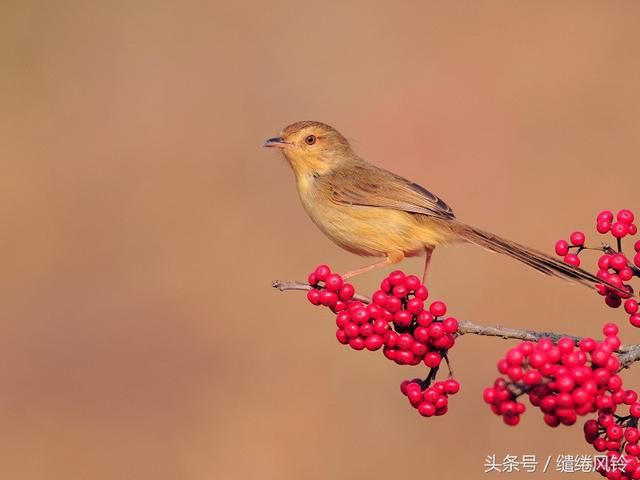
(142, 225)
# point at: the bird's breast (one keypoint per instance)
(363, 230)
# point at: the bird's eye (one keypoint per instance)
(310, 139)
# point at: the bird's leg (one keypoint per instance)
(393, 257)
(427, 260)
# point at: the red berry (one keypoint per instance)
(432, 359)
(619, 229)
(610, 329)
(613, 300)
(572, 259)
(577, 238)
(415, 306)
(618, 261)
(614, 432)
(431, 394)
(402, 318)
(587, 344)
(591, 427)
(630, 397)
(357, 343)
(451, 386)
(374, 311)
(532, 377)
(313, 296)
(599, 444)
(414, 394)
(400, 291)
(342, 336)
(373, 342)
(443, 343)
(438, 308)
(339, 306)
(412, 282)
(551, 420)
(604, 403)
(565, 383)
(489, 395)
(419, 349)
(403, 386)
(562, 248)
(328, 298)
(342, 319)
(626, 274)
(441, 402)
(390, 353)
(346, 292)
(360, 315)
(605, 215)
(421, 334)
(613, 342)
(511, 420)
(566, 344)
(352, 330)
(426, 409)
(632, 435)
(396, 278)
(380, 326)
(436, 330)
(322, 272)
(424, 318)
(450, 325)
(604, 262)
(403, 357)
(625, 216)
(393, 304)
(333, 282)
(603, 226)
(366, 330)
(514, 357)
(405, 341)
(580, 396)
(422, 293)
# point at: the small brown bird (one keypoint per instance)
(375, 213)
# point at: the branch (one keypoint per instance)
(283, 285)
(630, 353)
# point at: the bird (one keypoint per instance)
(372, 212)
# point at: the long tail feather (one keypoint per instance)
(540, 261)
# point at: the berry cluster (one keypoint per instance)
(397, 320)
(419, 334)
(620, 227)
(617, 436)
(330, 291)
(429, 400)
(614, 267)
(564, 380)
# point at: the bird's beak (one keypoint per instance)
(276, 142)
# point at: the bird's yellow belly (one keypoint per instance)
(376, 231)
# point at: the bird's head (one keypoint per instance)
(312, 148)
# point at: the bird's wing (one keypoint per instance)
(370, 186)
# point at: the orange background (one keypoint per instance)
(142, 225)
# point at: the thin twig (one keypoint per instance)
(630, 353)
(283, 285)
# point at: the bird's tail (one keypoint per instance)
(540, 261)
